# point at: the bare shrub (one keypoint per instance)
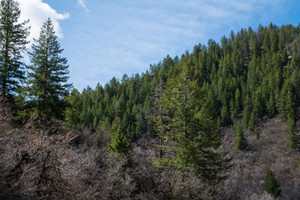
(245, 178)
(35, 163)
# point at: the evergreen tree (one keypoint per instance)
(225, 116)
(74, 110)
(12, 45)
(47, 75)
(256, 133)
(270, 184)
(120, 143)
(294, 138)
(252, 121)
(188, 130)
(240, 140)
(233, 110)
(238, 101)
(246, 115)
(271, 105)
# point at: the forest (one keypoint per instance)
(220, 122)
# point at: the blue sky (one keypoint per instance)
(107, 38)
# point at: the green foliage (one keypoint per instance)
(225, 116)
(12, 46)
(294, 140)
(256, 132)
(251, 73)
(240, 140)
(72, 114)
(46, 81)
(270, 184)
(188, 130)
(120, 143)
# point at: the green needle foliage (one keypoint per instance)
(47, 76)
(270, 184)
(120, 144)
(189, 133)
(72, 115)
(251, 74)
(12, 46)
(240, 140)
(256, 132)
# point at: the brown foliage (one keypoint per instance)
(271, 150)
(36, 164)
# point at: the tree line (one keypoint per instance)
(183, 102)
(251, 72)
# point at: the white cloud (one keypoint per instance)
(83, 5)
(38, 12)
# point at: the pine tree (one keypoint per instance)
(270, 184)
(225, 116)
(240, 140)
(233, 110)
(246, 115)
(256, 133)
(47, 76)
(73, 111)
(294, 138)
(252, 121)
(188, 130)
(120, 143)
(238, 100)
(12, 45)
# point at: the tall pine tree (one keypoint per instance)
(47, 76)
(12, 44)
(190, 135)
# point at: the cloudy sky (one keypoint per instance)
(107, 38)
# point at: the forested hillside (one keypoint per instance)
(221, 122)
(254, 72)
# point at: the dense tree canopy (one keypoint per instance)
(251, 72)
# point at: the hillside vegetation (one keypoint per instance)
(69, 165)
(221, 122)
(251, 72)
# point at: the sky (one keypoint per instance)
(103, 39)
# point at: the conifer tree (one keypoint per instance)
(225, 116)
(188, 130)
(238, 100)
(233, 110)
(47, 76)
(74, 110)
(252, 121)
(246, 115)
(240, 140)
(256, 133)
(12, 44)
(271, 106)
(270, 184)
(120, 143)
